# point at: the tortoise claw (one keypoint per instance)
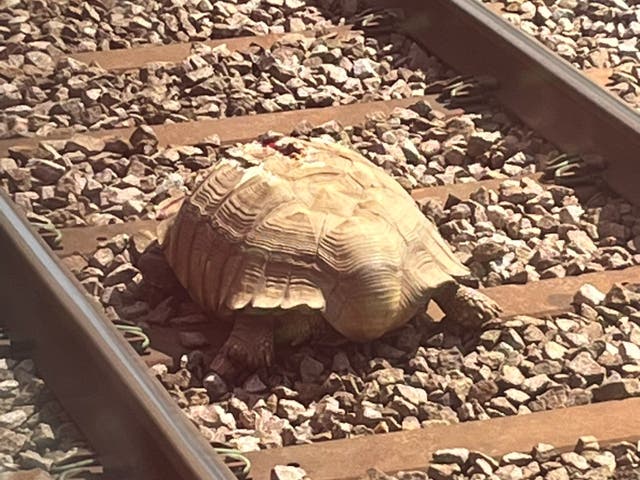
(469, 307)
(223, 366)
(475, 308)
(248, 348)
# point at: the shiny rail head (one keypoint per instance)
(127, 416)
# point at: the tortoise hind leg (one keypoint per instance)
(249, 347)
(465, 306)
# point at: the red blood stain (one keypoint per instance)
(287, 149)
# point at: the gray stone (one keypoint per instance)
(543, 452)
(516, 397)
(43, 436)
(414, 395)
(11, 442)
(481, 464)
(387, 376)
(584, 364)
(287, 472)
(13, 418)
(580, 241)
(437, 471)
(457, 456)
(617, 390)
(292, 410)
(557, 474)
(605, 459)
(47, 171)
(483, 390)
(32, 459)
(310, 369)
(588, 294)
(630, 351)
(554, 351)
(509, 472)
(215, 385)
(587, 442)
(575, 460)
(363, 68)
(511, 376)
(517, 458)
(246, 443)
(8, 388)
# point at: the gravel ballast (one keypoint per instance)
(69, 26)
(35, 433)
(423, 374)
(296, 72)
(86, 181)
(588, 34)
(588, 460)
(524, 232)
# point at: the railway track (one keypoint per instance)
(96, 142)
(596, 38)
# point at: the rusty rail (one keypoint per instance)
(127, 416)
(543, 90)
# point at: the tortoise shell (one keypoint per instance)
(308, 226)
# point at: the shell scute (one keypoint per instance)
(307, 225)
(287, 230)
(211, 193)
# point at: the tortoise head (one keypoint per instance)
(170, 206)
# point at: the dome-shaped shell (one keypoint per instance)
(312, 226)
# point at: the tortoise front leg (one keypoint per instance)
(159, 279)
(249, 347)
(465, 306)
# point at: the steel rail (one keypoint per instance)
(543, 90)
(126, 415)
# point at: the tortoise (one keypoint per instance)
(300, 234)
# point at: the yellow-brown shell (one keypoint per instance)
(310, 226)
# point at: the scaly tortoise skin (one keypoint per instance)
(307, 231)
